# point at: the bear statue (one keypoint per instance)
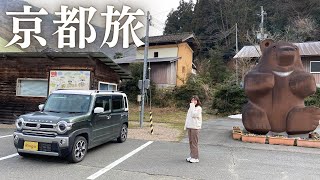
(276, 88)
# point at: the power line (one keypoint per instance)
(157, 21)
(162, 12)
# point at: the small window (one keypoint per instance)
(107, 86)
(32, 87)
(314, 66)
(117, 103)
(156, 54)
(104, 102)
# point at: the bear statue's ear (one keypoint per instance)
(265, 43)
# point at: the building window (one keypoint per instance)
(156, 54)
(314, 66)
(107, 86)
(32, 87)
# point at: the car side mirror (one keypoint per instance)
(98, 110)
(41, 107)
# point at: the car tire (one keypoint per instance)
(123, 134)
(79, 150)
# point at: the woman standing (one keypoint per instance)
(193, 125)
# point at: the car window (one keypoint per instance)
(104, 102)
(67, 103)
(125, 102)
(117, 103)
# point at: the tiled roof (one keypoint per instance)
(125, 60)
(171, 38)
(175, 39)
(306, 49)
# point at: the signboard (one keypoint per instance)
(63, 79)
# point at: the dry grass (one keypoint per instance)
(169, 119)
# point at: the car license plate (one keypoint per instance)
(31, 146)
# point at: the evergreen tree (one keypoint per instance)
(179, 20)
(203, 24)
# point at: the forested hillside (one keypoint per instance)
(213, 21)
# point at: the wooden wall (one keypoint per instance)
(306, 64)
(104, 74)
(163, 74)
(13, 68)
(184, 66)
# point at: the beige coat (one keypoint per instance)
(194, 117)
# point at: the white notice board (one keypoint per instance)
(63, 79)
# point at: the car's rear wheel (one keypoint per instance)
(123, 134)
(79, 150)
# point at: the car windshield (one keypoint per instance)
(67, 103)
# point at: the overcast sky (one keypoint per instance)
(159, 9)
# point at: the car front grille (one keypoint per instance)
(48, 147)
(31, 125)
(36, 126)
(47, 126)
(44, 147)
(39, 133)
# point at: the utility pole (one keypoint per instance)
(237, 50)
(145, 62)
(263, 13)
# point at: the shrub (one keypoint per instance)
(184, 93)
(229, 99)
(163, 98)
(313, 100)
(130, 87)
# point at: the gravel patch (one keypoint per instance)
(161, 132)
(7, 126)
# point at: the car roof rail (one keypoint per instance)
(98, 91)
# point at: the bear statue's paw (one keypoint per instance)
(303, 120)
(255, 120)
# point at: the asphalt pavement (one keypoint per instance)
(221, 157)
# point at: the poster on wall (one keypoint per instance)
(63, 79)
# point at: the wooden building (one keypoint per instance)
(309, 52)
(170, 57)
(27, 78)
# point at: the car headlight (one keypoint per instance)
(62, 127)
(19, 123)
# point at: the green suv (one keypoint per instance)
(71, 122)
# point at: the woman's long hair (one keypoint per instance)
(197, 99)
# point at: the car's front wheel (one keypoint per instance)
(79, 150)
(123, 134)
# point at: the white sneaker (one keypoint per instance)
(192, 160)
(188, 159)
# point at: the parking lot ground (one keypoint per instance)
(221, 157)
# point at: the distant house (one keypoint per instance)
(309, 51)
(170, 56)
(27, 78)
